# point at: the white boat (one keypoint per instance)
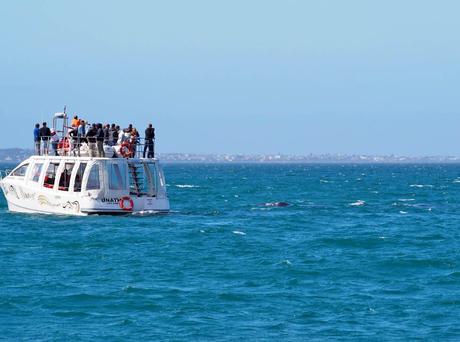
(72, 185)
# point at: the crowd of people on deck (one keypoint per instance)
(97, 138)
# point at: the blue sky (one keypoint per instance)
(240, 76)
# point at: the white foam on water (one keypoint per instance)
(403, 212)
(239, 232)
(421, 186)
(145, 212)
(186, 186)
(456, 180)
(406, 199)
(357, 203)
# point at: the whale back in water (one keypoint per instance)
(276, 204)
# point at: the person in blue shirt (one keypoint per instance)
(81, 133)
(37, 139)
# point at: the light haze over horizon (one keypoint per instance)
(296, 77)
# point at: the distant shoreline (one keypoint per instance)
(14, 155)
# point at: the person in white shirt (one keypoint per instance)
(54, 141)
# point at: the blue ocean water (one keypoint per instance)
(362, 252)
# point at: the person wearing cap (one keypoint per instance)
(54, 141)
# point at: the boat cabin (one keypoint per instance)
(98, 177)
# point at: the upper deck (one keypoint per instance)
(80, 139)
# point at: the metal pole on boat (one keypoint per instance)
(64, 122)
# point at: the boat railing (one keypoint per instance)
(78, 146)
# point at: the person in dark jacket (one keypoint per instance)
(45, 135)
(113, 135)
(37, 139)
(148, 144)
(107, 139)
(73, 134)
(91, 138)
(100, 136)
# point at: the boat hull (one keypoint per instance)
(22, 199)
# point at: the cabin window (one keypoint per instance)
(153, 176)
(50, 175)
(20, 171)
(36, 172)
(79, 177)
(64, 180)
(117, 177)
(93, 178)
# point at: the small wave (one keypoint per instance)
(357, 203)
(186, 186)
(238, 232)
(403, 212)
(406, 199)
(456, 180)
(421, 186)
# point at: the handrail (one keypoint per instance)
(71, 145)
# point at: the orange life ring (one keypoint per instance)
(125, 149)
(130, 205)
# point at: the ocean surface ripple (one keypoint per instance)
(354, 252)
